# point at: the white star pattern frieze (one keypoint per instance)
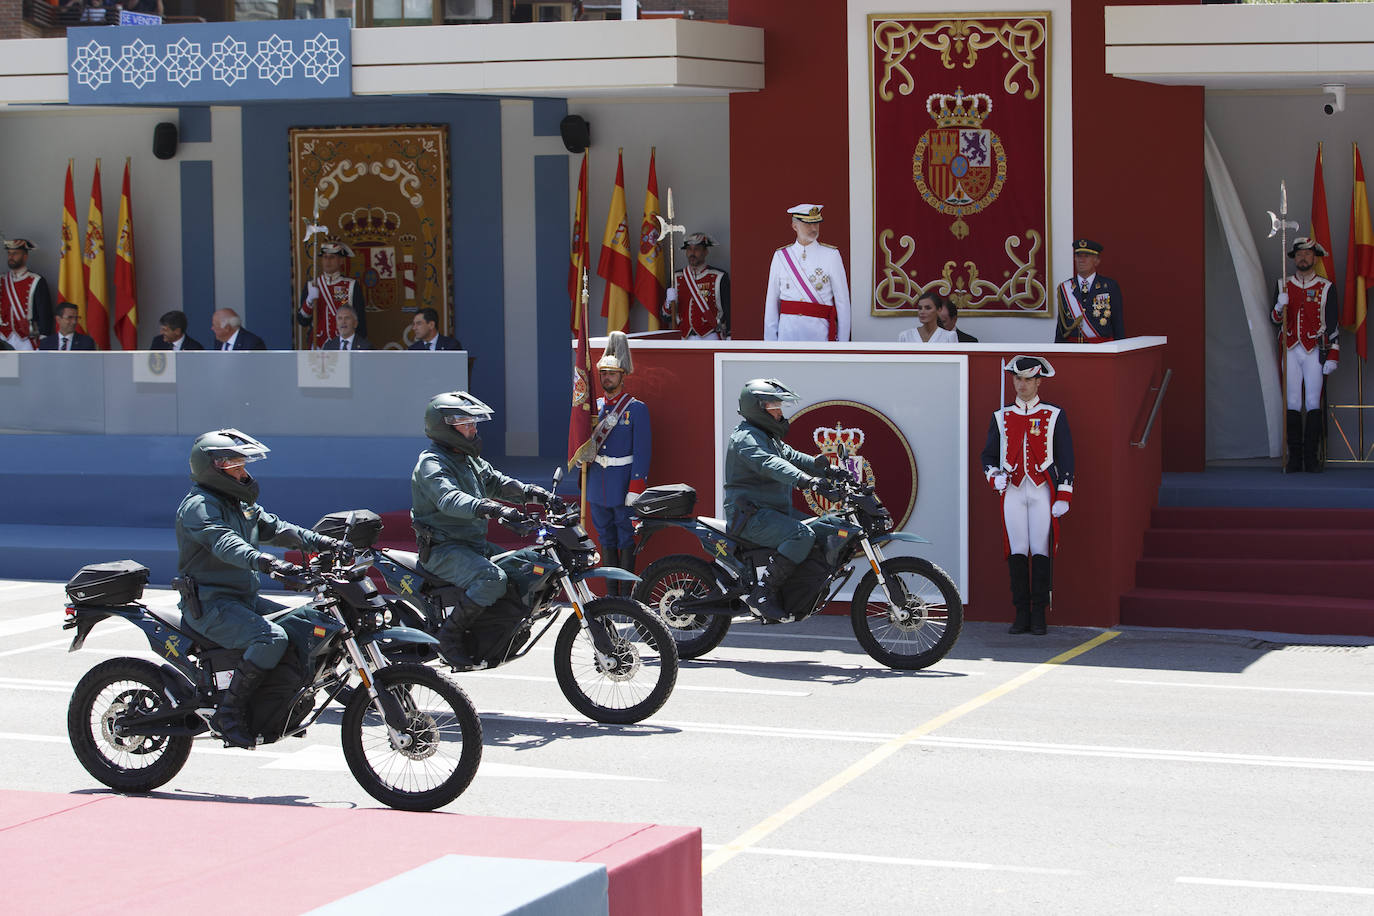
(275, 60)
(138, 63)
(184, 62)
(321, 58)
(229, 61)
(93, 65)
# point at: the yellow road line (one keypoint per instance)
(832, 785)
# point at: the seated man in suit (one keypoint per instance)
(66, 337)
(349, 339)
(174, 336)
(230, 334)
(425, 327)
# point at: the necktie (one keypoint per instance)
(431, 345)
(345, 345)
(1084, 287)
(64, 343)
(224, 346)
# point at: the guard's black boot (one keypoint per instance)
(1018, 566)
(231, 718)
(1311, 442)
(1041, 577)
(626, 561)
(455, 628)
(764, 598)
(1294, 442)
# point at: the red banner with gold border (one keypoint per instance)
(961, 162)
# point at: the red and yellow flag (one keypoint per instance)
(580, 420)
(97, 316)
(579, 256)
(125, 281)
(71, 285)
(614, 265)
(1321, 221)
(1359, 260)
(651, 279)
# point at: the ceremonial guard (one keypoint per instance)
(619, 471)
(1028, 459)
(808, 291)
(701, 293)
(1306, 310)
(1089, 305)
(323, 295)
(25, 303)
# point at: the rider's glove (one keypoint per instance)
(535, 494)
(837, 472)
(826, 490)
(490, 508)
(343, 550)
(277, 568)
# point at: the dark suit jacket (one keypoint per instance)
(965, 338)
(246, 340)
(442, 342)
(79, 342)
(188, 343)
(359, 343)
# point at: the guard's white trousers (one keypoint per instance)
(1303, 370)
(1026, 513)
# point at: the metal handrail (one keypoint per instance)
(1154, 411)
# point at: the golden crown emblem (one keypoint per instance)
(959, 110)
(369, 224)
(829, 440)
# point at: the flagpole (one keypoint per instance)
(582, 470)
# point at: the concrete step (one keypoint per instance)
(1153, 607)
(1287, 519)
(1260, 543)
(1335, 578)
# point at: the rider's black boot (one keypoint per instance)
(1042, 575)
(1018, 566)
(764, 598)
(231, 718)
(626, 561)
(451, 634)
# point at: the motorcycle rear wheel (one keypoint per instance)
(934, 614)
(138, 763)
(671, 579)
(445, 740)
(645, 668)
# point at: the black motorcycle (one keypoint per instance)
(614, 659)
(411, 737)
(906, 612)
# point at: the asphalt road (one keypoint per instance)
(1152, 771)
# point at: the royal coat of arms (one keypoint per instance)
(959, 166)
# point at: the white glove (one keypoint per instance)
(312, 292)
(670, 297)
(1329, 367)
(1059, 508)
(1282, 300)
(631, 498)
(999, 482)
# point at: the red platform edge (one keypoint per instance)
(140, 854)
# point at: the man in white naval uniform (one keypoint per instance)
(808, 291)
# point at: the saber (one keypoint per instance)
(665, 231)
(1280, 224)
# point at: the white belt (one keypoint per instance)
(607, 462)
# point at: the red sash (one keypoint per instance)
(811, 310)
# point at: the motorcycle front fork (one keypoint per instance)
(579, 595)
(386, 704)
(875, 560)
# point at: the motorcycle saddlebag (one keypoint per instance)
(367, 527)
(673, 500)
(119, 582)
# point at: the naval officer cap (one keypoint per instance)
(1030, 367)
(1306, 244)
(1086, 246)
(698, 238)
(807, 213)
(334, 246)
(20, 245)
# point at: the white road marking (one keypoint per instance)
(36, 646)
(1346, 693)
(545, 679)
(1144, 753)
(20, 683)
(897, 860)
(40, 587)
(1279, 886)
(51, 620)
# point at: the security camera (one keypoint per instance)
(1337, 93)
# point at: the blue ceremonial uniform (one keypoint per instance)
(621, 467)
(1091, 317)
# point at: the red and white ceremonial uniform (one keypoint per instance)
(1031, 445)
(334, 290)
(25, 308)
(808, 294)
(703, 302)
(1312, 323)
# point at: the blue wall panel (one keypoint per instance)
(198, 249)
(552, 217)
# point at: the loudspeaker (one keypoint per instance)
(165, 140)
(577, 133)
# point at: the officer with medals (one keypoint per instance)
(619, 472)
(323, 295)
(701, 293)
(1028, 459)
(808, 291)
(1306, 310)
(26, 314)
(1089, 304)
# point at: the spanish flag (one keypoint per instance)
(580, 419)
(71, 286)
(615, 266)
(97, 317)
(126, 284)
(1359, 260)
(651, 278)
(1321, 221)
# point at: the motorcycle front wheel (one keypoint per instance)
(672, 579)
(923, 629)
(440, 746)
(634, 681)
(111, 691)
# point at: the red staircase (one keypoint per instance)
(1272, 569)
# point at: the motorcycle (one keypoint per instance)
(905, 611)
(410, 736)
(614, 659)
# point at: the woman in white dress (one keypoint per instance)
(928, 330)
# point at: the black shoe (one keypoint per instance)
(1042, 577)
(231, 719)
(1294, 420)
(1018, 569)
(454, 635)
(765, 599)
(1311, 442)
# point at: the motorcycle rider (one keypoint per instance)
(761, 471)
(219, 527)
(453, 493)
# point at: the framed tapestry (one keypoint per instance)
(384, 192)
(959, 113)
